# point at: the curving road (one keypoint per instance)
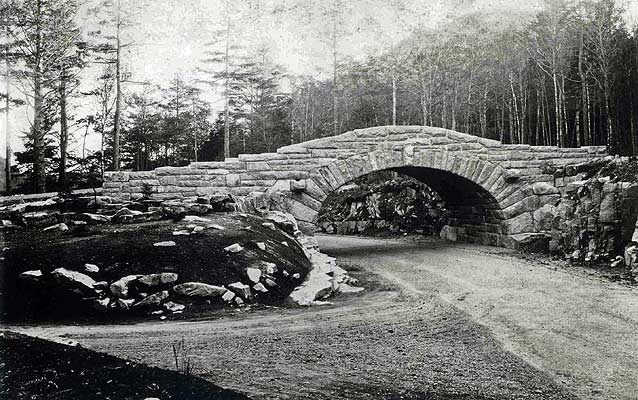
(438, 321)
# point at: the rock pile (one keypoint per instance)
(593, 220)
(58, 214)
(162, 293)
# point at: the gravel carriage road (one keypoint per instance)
(439, 321)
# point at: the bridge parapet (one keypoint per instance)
(493, 189)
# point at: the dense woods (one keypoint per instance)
(565, 76)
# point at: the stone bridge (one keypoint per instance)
(493, 191)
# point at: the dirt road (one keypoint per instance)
(440, 321)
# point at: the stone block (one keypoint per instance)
(233, 180)
(297, 186)
(257, 166)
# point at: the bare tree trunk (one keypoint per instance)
(484, 113)
(632, 132)
(7, 139)
(587, 121)
(583, 96)
(394, 99)
(39, 167)
(538, 118)
(118, 95)
(559, 125)
(227, 86)
(335, 117)
(64, 134)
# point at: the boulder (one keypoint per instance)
(39, 219)
(544, 217)
(253, 274)
(233, 248)
(617, 262)
(153, 300)
(631, 258)
(5, 223)
(270, 283)
(241, 290)
(269, 225)
(634, 236)
(94, 218)
(91, 268)
(120, 288)
(317, 285)
(61, 227)
(284, 221)
(152, 280)
(239, 301)
(228, 296)
(173, 307)
(195, 218)
(216, 227)
(102, 304)
(124, 304)
(199, 289)
(261, 246)
(544, 188)
(260, 288)
(125, 212)
(448, 233)
(74, 280)
(31, 276)
(168, 243)
(199, 208)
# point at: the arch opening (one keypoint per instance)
(467, 212)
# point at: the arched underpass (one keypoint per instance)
(411, 199)
(471, 209)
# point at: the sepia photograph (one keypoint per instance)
(319, 199)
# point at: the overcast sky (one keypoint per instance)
(171, 35)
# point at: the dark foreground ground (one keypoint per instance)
(37, 369)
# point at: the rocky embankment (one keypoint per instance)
(90, 256)
(594, 219)
(378, 205)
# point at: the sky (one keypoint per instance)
(171, 36)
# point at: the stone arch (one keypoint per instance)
(468, 184)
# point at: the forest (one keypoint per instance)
(565, 75)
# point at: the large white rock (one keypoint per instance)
(34, 276)
(62, 227)
(228, 296)
(120, 288)
(634, 236)
(92, 268)
(168, 243)
(317, 286)
(448, 233)
(157, 279)
(173, 307)
(254, 274)
(195, 218)
(260, 288)
(74, 279)
(240, 289)
(233, 248)
(199, 289)
(153, 300)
